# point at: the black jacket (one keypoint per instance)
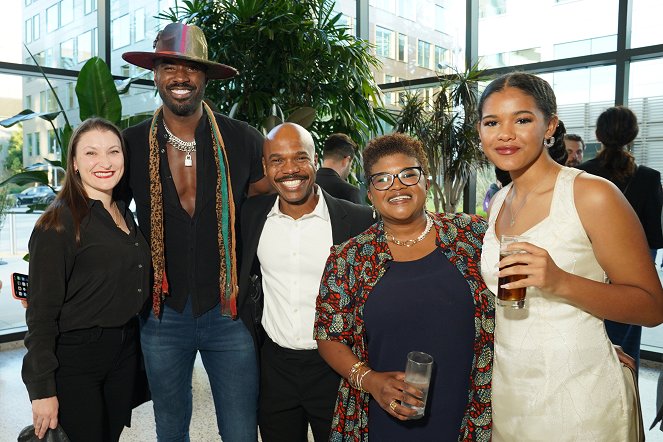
(643, 191)
(332, 183)
(347, 220)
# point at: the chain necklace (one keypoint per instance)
(184, 146)
(513, 213)
(411, 242)
(115, 215)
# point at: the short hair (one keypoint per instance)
(391, 144)
(339, 146)
(575, 137)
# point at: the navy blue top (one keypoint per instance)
(422, 305)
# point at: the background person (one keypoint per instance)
(616, 129)
(575, 149)
(409, 282)
(337, 158)
(570, 250)
(89, 277)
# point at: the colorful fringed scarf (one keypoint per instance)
(225, 214)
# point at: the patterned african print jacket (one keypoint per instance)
(351, 272)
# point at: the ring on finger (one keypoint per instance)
(393, 404)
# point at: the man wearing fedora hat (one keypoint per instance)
(190, 170)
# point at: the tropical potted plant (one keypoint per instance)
(448, 131)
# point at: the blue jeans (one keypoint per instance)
(226, 348)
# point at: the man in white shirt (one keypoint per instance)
(286, 240)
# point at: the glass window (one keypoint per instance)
(66, 12)
(383, 42)
(423, 54)
(71, 101)
(387, 5)
(389, 97)
(85, 46)
(407, 9)
(120, 32)
(489, 8)
(67, 54)
(582, 94)
(35, 28)
(406, 60)
(522, 38)
(139, 24)
(402, 47)
(90, 6)
(646, 23)
(52, 18)
(440, 57)
(439, 18)
(28, 31)
(52, 143)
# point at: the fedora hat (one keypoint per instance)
(181, 42)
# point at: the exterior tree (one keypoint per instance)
(291, 54)
(14, 160)
(448, 131)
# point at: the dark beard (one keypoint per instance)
(186, 108)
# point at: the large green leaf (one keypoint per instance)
(24, 178)
(304, 116)
(29, 114)
(96, 92)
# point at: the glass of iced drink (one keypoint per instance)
(417, 374)
(514, 298)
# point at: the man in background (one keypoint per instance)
(575, 148)
(337, 156)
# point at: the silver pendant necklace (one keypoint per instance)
(184, 146)
(411, 242)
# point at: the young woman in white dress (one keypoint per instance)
(556, 375)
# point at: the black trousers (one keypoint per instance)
(297, 388)
(95, 381)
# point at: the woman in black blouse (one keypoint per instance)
(89, 276)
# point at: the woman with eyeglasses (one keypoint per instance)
(411, 282)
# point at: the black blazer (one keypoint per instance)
(332, 183)
(643, 191)
(347, 220)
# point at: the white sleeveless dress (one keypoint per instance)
(556, 376)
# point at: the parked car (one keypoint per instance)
(34, 195)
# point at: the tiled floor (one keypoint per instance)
(15, 406)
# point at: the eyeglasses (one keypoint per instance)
(409, 176)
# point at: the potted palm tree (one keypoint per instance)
(448, 130)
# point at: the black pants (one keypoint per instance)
(297, 388)
(95, 381)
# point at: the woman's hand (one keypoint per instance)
(624, 358)
(45, 415)
(390, 391)
(536, 264)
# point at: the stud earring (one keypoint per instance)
(549, 142)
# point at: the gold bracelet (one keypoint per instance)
(354, 371)
(361, 379)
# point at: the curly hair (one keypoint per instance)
(391, 144)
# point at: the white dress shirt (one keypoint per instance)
(292, 254)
